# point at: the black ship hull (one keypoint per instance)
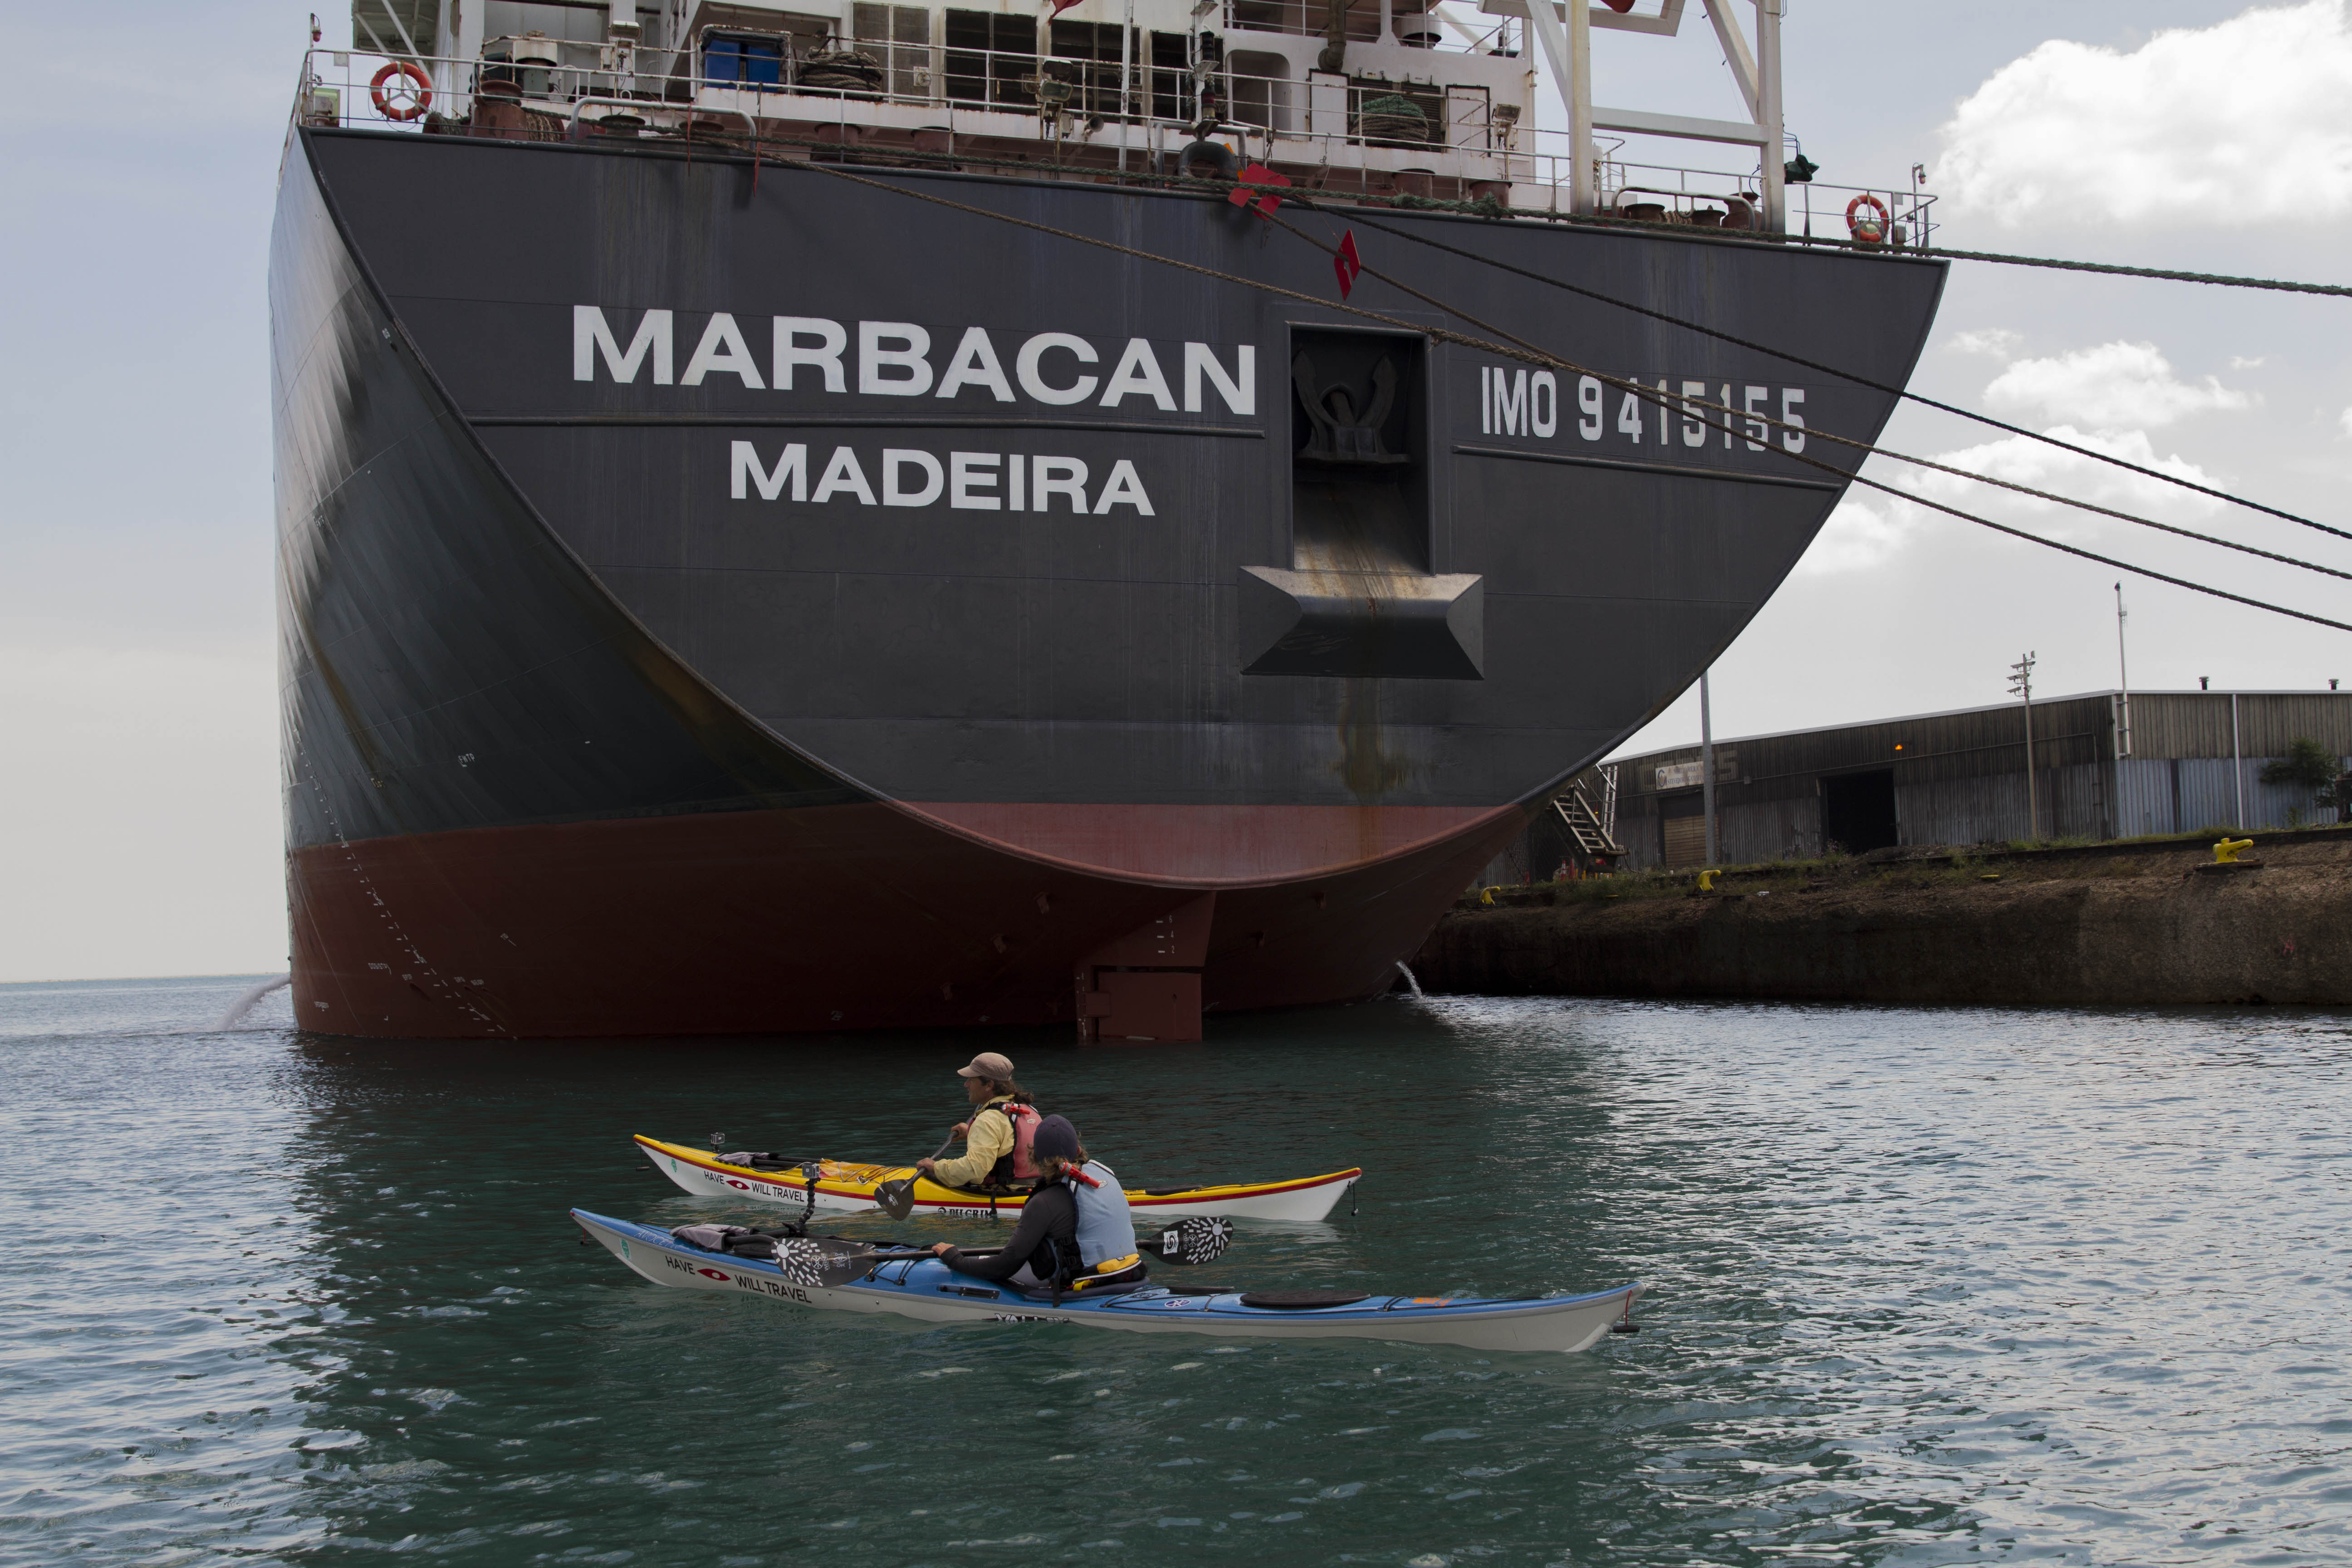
(731, 599)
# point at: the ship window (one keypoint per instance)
(1171, 78)
(1097, 43)
(1360, 453)
(1275, 15)
(1361, 22)
(1086, 40)
(1396, 113)
(1096, 80)
(583, 23)
(900, 38)
(990, 57)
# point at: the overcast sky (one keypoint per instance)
(137, 663)
(2198, 136)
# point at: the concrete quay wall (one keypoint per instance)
(2117, 926)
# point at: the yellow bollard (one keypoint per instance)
(2226, 852)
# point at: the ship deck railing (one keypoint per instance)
(1410, 22)
(1473, 149)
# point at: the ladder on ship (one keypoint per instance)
(1591, 828)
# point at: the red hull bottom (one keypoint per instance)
(812, 919)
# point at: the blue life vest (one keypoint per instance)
(1106, 1229)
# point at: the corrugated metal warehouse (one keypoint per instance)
(2190, 759)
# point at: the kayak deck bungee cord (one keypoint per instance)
(842, 1186)
(914, 1284)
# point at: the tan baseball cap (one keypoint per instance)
(987, 1064)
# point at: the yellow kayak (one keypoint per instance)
(843, 1186)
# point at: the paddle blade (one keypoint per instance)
(896, 1198)
(821, 1264)
(1201, 1239)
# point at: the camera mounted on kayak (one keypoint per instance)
(808, 1171)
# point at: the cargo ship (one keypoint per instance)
(848, 517)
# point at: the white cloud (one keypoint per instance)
(1861, 535)
(2113, 386)
(2240, 362)
(2235, 124)
(1870, 528)
(2346, 420)
(1994, 342)
(2023, 461)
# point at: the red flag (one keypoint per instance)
(1347, 263)
(1062, 5)
(1258, 174)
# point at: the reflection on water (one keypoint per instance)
(1929, 1284)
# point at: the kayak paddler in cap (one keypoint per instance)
(1075, 1232)
(996, 1141)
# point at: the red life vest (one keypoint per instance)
(1020, 1165)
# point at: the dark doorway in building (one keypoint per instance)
(1858, 811)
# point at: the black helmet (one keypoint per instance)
(1054, 1138)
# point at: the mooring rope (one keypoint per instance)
(1356, 211)
(1864, 447)
(1355, 215)
(1516, 349)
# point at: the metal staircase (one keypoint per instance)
(1593, 829)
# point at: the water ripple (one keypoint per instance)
(1929, 1284)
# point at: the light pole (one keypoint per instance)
(2123, 710)
(2021, 681)
(1706, 765)
(2123, 673)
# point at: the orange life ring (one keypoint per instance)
(422, 92)
(1865, 229)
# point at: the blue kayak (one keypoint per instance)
(914, 1284)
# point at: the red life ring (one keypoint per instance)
(419, 98)
(1867, 230)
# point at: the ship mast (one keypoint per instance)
(1564, 33)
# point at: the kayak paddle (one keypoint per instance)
(829, 1261)
(896, 1198)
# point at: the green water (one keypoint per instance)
(1929, 1286)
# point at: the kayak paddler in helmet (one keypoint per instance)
(996, 1140)
(1076, 1232)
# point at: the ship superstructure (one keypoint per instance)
(1399, 97)
(770, 542)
